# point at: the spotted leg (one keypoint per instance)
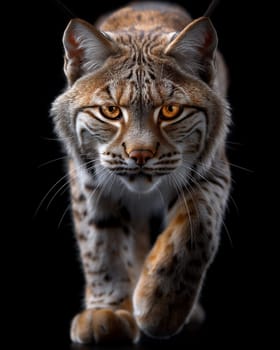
(168, 288)
(107, 246)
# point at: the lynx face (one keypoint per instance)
(140, 142)
(138, 118)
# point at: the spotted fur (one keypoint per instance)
(148, 193)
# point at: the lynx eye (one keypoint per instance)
(111, 112)
(170, 111)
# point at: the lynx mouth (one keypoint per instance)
(141, 174)
(140, 182)
(136, 175)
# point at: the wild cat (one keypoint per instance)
(144, 121)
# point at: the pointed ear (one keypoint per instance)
(86, 49)
(194, 48)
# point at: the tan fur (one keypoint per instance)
(168, 18)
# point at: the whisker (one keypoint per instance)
(241, 167)
(230, 197)
(52, 161)
(181, 195)
(215, 210)
(56, 138)
(64, 186)
(67, 176)
(63, 215)
(189, 191)
(100, 186)
(69, 205)
(49, 191)
(67, 183)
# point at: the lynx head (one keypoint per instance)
(140, 107)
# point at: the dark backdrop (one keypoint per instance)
(232, 294)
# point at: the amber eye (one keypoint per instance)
(170, 111)
(111, 112)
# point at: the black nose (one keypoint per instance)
(141, 156)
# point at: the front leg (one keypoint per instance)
(107, 248)
(105, 251)
(171, 279)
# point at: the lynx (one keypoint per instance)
(143, 121)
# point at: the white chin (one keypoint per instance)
(140, 184)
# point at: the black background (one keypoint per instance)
(52, 290)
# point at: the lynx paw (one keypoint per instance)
(100, 326)
(158, 314)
